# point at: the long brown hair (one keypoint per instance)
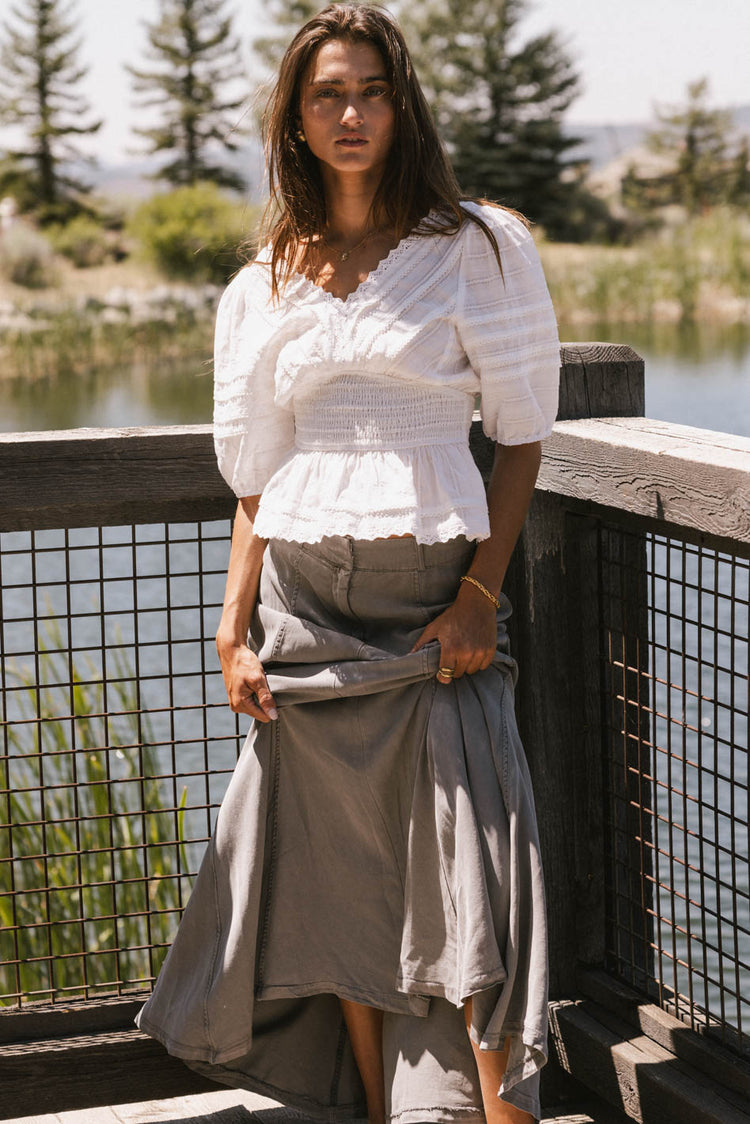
(418, 180)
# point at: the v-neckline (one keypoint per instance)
(384, 263)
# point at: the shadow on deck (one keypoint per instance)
(233, 1106)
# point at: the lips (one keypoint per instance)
(351, 142)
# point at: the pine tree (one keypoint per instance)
(197, 57)
(287, 17)
(38, 79)
(738, 186)
(499, 101)
(696, 138)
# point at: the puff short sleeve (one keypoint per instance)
(252, 434)
(507, 328)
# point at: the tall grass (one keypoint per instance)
(77, 342)
(88, 883)
(698, 269)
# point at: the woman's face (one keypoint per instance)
(346, 107)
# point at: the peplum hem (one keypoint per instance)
(380, 836)
(317, 493)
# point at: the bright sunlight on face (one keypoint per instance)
(346, 108)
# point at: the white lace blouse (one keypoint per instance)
(352, 417)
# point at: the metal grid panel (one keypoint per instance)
(675, 648)
(117, 748)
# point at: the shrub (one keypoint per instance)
(191, 233)
(584, 217)
(82, 240)
(26, 257)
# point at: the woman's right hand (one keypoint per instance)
(245, 681)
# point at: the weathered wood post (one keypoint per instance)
(553, 583)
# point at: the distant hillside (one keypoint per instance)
(601, 145)
(133, 178)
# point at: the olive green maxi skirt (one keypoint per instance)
(377, 842)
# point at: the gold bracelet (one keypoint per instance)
(483, 588)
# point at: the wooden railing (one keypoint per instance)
(616, 495)
(612, 486)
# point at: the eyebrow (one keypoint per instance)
(340, 81)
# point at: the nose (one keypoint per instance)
(351, 114)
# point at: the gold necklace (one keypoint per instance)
(344, 254)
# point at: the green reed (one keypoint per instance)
(87, 883)
(695, 269)
(75, 341)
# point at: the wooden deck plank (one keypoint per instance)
(578, 1118)
(225, 1106)
(636, 1074)
(81, 1116)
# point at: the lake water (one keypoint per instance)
(696, 376)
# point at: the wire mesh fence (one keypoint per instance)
(117, 748)
(675, 658)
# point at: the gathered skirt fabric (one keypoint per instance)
(378, 843)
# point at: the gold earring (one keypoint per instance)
(301, 136)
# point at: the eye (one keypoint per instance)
(376, 91)
(327, 93)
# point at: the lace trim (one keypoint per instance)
(427, 527)
(303, 282)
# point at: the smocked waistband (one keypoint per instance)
(359, 412)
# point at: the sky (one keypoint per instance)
(631, 54)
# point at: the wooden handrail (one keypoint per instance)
(693, 478)
(687, 477)
(690, 478)
(100, 477)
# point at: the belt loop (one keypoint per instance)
(420, 555)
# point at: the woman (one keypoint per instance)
(369, 917)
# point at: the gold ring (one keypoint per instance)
(448, 672)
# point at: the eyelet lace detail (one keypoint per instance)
(304, 283)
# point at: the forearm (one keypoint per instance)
(243, 577)
(509, 493)
(467, 629)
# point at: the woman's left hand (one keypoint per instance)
(467, 632)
